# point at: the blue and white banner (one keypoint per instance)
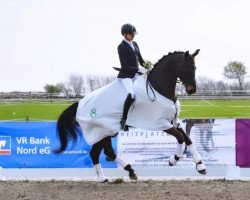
(31, 145)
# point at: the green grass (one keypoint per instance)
(32, 111)
(189, 109)
(215, 109)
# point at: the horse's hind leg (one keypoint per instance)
(95, 154)
(109, 151)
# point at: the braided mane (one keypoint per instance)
(165, 56)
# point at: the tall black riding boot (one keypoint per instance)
(128, 102)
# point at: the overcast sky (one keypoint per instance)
(44, 41)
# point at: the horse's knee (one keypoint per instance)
(177, 134)
(180, 138)
(185, 136)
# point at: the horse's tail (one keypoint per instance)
(66, 127)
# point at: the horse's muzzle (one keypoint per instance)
(190, 89)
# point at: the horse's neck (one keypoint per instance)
(164, 83)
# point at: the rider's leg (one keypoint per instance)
(128, 84)
(95, 154)
(109, 151)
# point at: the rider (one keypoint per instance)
(129, 55)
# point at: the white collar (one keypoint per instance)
(129, 42)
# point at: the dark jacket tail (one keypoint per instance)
(67, 127)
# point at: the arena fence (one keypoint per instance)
(200, 94)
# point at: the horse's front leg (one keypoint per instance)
(200, 166)
(180, 145)
(109, 151)
(181, 136)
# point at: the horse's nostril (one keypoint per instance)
(191, 91)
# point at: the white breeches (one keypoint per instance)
(128, 84)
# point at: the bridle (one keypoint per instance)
(183, 77)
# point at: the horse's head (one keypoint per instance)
(186, 73)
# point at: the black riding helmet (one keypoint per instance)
(128, 29)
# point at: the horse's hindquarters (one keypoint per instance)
(99, 113)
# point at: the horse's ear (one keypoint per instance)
(195, 53)
(186, 55)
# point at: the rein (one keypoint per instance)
(151, 88)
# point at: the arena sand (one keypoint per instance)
(119, 189)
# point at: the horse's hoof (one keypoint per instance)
(203, 172)
(201, 168)
(104, 181)
(133, 176)
(173, 160)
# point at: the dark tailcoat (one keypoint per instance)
(129, 60)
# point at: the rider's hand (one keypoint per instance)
(148, 65)
(142, 70)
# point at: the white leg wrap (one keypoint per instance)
(172, 160)
(196, 156)
(121, 162)
(100, 176)
(200, 166)
(180, 149)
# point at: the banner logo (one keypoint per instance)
(93, 113)
(5, 145)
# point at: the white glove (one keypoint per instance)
(143, 70)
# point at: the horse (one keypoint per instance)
(99, 125)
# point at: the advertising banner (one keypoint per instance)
(214, 140)
(31, 145)
(243, 142)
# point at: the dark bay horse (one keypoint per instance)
(161, 79)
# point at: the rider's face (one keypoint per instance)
(129, 37)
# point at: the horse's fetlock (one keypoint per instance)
(176, 158)
(129, 169)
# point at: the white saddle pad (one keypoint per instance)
(100, 112)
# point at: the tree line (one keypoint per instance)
(79, 85)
